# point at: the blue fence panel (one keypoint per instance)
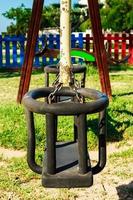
(7, 51)
(12, 49)
(14, 55)
(57, 41)
(36, 59)
(73, 45)
(22, 49)
(51, 41)
(80, 45)
(42, 44)
(57, 46)
(77, 41)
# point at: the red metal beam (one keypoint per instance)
(99, 46)
(30, 48)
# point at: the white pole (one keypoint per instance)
(65, 42)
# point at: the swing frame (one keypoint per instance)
(100, 52)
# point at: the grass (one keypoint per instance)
(116, 159)
(16, 187)
(19, 182)
(120, 115)
(127, 154)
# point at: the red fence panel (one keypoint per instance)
(123, 46)
(130, 61)
(116, 46)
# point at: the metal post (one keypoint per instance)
(100, 52)
(65, 42)
(102, 139)
(46, 79)
(102, 143)
(31, 143)
(82, 144)
(51, 130)
(30, 48)
(75, 129)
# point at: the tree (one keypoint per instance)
(79, 16)
(50, 18)
(117, 15)
(20, 17)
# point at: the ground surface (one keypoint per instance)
(115, 182)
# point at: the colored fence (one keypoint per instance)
(12, 48)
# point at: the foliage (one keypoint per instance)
(20, 17)
(79, 15)
(50, 18)
(117, 15)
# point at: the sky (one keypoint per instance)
(5, 5)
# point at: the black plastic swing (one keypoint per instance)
(66, 164)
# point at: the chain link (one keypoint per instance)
(52, 95)
(74, 85)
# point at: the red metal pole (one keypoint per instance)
(30, 48)
(99, 46)
(130, 60)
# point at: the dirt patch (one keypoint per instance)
(9, 153)
(113, 183)
(112, 148)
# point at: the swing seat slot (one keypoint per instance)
(67, 171)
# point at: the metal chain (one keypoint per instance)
(56, 81)
(78, 96)
(74, 85)
(52, 95)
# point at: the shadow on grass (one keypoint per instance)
(125, 191)
(115, 129)
(4, 73)
(8, 74)
(123, 94)
(116, 68)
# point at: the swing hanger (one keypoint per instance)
(74, 85)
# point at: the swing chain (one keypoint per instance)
(74, 85)
(52, 95)
(78, 96)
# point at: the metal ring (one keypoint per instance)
(99, 101)
(53, 69)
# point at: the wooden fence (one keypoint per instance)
(12, 48)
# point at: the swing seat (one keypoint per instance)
(75, 69)
(66, 164)
(67, 170)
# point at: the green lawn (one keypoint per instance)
(13, 127)
(120, 120)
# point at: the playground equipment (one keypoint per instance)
(100, 52)
(65, 164)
